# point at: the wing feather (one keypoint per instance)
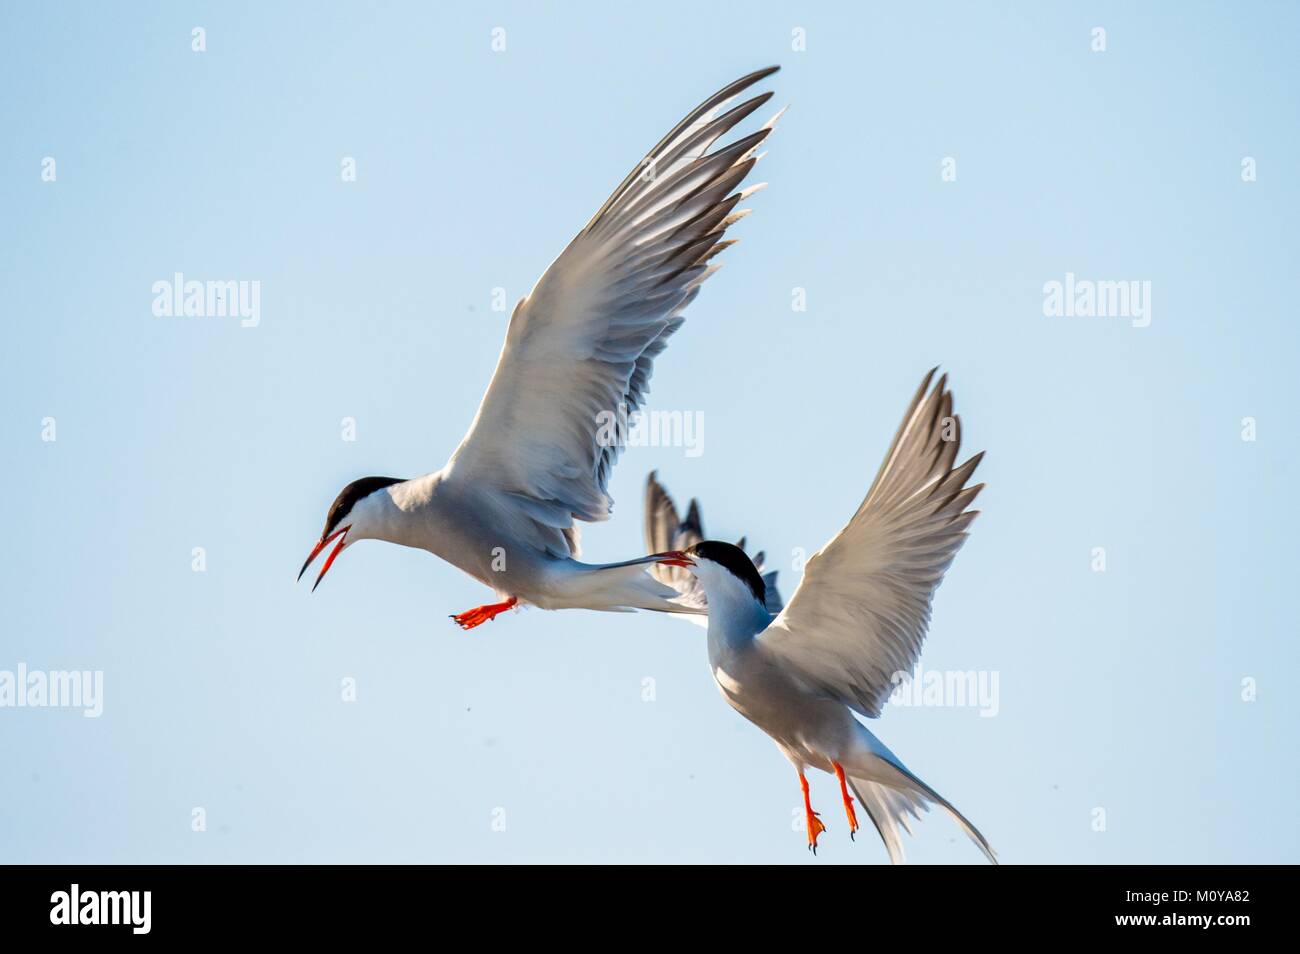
(580, 348)
(860, 613)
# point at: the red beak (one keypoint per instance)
(324, 542)
(674, 558)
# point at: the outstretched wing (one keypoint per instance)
(860, 613)
(666, 530)
(580, 347)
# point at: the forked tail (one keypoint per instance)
(890, 805)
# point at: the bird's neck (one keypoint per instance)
(404, 514)
(735, 617)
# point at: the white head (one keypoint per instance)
(356, 514)
(732, 584)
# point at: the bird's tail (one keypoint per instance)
(622, 587)
(891, 804)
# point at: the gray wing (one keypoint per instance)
(580, 347)
(666, 530)
(861, 611)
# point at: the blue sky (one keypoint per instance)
(1119, 690)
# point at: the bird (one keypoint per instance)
(853, 627)
(575, 365)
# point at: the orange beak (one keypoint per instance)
(674, 558)
(324, 542)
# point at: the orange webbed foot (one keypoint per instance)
(848, 800)
(812, 821)
(482, 614)
(815, 828)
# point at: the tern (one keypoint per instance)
(856, 621)
(578, 352)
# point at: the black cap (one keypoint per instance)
(349, 495)
(735, 560)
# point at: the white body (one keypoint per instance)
(811, 729)
(462, 522)
(858, 617)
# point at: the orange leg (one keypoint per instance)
(848, 799)
(482, 614)
(813, 822)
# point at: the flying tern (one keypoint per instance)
(858, 617)
(578, 351)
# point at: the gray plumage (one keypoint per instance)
(582, 344)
